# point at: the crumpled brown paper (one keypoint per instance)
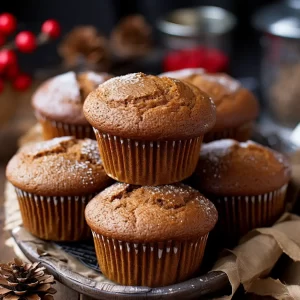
(251, 262)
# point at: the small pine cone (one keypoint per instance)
(132, 37)
(87, 44)
(25, 281)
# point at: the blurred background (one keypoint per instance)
(255, 41)
(106, 14)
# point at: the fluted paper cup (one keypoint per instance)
(54, 218)
(148, 264)
(52, 129)
(240, 214)
(148, 162)
(241, 133)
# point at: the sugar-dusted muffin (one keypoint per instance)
(58, 104)
(54, 180)
(246, 181)
(237, 107)
(150, 236)
(149, 129)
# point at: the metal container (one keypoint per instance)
(280, 67)
(209, 26)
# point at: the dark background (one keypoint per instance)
(104, 14)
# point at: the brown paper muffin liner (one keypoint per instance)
(241, 133)
(52, 129)
(147, 162)
(54, 218)
(148, 264)
(240, 214)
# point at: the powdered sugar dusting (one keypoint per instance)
(218, 149)
(97, 78)
(169, 189)
(227, 82)
(49, 145)
(82, 167)
(90, 149)
(172, 193)
(66, 86)
(180, 74)
(73, 159)
(248, 143)
(131, 78)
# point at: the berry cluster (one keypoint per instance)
(25, 42)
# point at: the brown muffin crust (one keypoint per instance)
(147, 107)
(230, 168)
(58, 167)
(61, 98)
(151, 214)
(235, 104)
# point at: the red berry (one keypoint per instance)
(12, 72)
(22, 82)
(8, 23)
(1, 85)
(25, 41)
(7, 58)
(2, 39)
(51, 28)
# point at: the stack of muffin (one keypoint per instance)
(148, 229)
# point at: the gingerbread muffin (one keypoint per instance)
(246, 181)
(58, 104)
(150, 236)
(54, 180)
(149, 129)
(237, 107)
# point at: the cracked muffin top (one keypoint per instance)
(235, 104)
(229, 168)
(61, 98)
(59, 167)
(148, 107)
(151, 214)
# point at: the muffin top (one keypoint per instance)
(61, 98)
(59, 167)
(235, 104)
(148, 107)
(144, 214)
(230, 168)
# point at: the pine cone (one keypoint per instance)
(132, 37)
(25, 281)
(85, 42)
